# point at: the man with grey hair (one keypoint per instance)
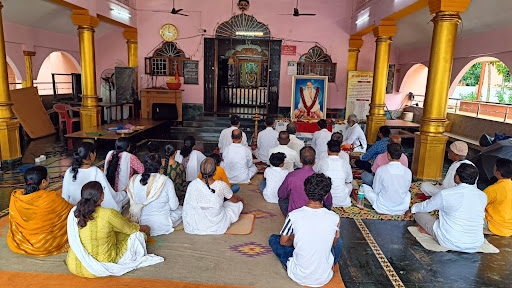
(295, 143)
(355, 135)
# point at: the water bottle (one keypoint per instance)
(360, 198)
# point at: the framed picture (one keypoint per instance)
(309, 97)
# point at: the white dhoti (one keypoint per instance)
(430, 189)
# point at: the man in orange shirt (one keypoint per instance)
(498, 213)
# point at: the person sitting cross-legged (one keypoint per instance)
(238, 160)
(295, 143)
(390, 193)
(267, 139)
(382, 159)
(292, 160)
(457, 153)
(340, 173)
(309, 244)
(498, 213)
(291, 192)
(379, 147)
(320, 138)
(461, 213)
(354, 135)
(273, 177)
(225, 135)
(220, 173)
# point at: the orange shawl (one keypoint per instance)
(37, 223)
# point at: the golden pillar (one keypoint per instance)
(89, 112)
(130, 34)
(430, 143)
(354, 44)
(29, 82)
(9, 128)
(376, 118)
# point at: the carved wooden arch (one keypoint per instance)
(242, 23)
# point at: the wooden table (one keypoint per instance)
(151, 96)
(147, 123)
(405, 129)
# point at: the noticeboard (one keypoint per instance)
(191, 71)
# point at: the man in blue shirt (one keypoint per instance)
(377, 148)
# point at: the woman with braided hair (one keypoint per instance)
(204, 211)
(120, 165)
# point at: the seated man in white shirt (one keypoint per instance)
(267, 139)
(273, 177)
(355, 135)
(461, 213)
(340, 173)
(320, 138)
(225, 135)
(382, 159)
(295, 143)
(310, 245)
(238, 163)
(390, 193)
(337, 136)
(457, 153)
(292, 160)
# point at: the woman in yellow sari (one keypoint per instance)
(37, 217)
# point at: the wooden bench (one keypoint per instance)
(471, 142)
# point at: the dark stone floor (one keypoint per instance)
(360, 266)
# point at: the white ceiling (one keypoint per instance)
(481, 16)
(44, 15)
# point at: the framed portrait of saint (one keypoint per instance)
(309, 97)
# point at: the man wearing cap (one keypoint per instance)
(457, 153)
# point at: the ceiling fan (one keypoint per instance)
(296, 12)
(174, 11)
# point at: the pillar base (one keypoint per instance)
(90, 117)
(428, 157)
(373, 124)
(10, 150)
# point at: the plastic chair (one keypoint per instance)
(62, 110)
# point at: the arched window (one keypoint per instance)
(242, 26)
(316, 61)
(165, 60)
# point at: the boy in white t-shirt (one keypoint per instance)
(274, 177)
(309, 245)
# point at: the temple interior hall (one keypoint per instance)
(154, 73)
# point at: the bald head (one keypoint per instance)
(236, 136)
(284, 138)
(395, 139)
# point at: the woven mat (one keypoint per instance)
(243, 226)
(369, 213)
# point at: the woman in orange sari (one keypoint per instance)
(37, 217)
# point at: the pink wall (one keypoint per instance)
(111, 51)
(56, 62)
(329, 28)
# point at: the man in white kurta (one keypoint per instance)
(340, 173)
(267, 139)
(390, 193)
(292, 159)
(461, 213)
(457, 153)
(295, 143)
(355, 135)
(320, 138)
(237, 162)
(225, 135)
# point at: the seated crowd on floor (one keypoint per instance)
(187, 187)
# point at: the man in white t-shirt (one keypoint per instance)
(320, 138)
(340, 173)
(295, 143)
(273, 177)
(292, 160)
(309, 244)
(461, 213)
(237, 162)
(267, 139)
(225, 135)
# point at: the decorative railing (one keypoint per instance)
(249, 97)
(481, 109)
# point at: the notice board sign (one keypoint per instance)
(359, 93)
(289, 50)
(191, 71)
